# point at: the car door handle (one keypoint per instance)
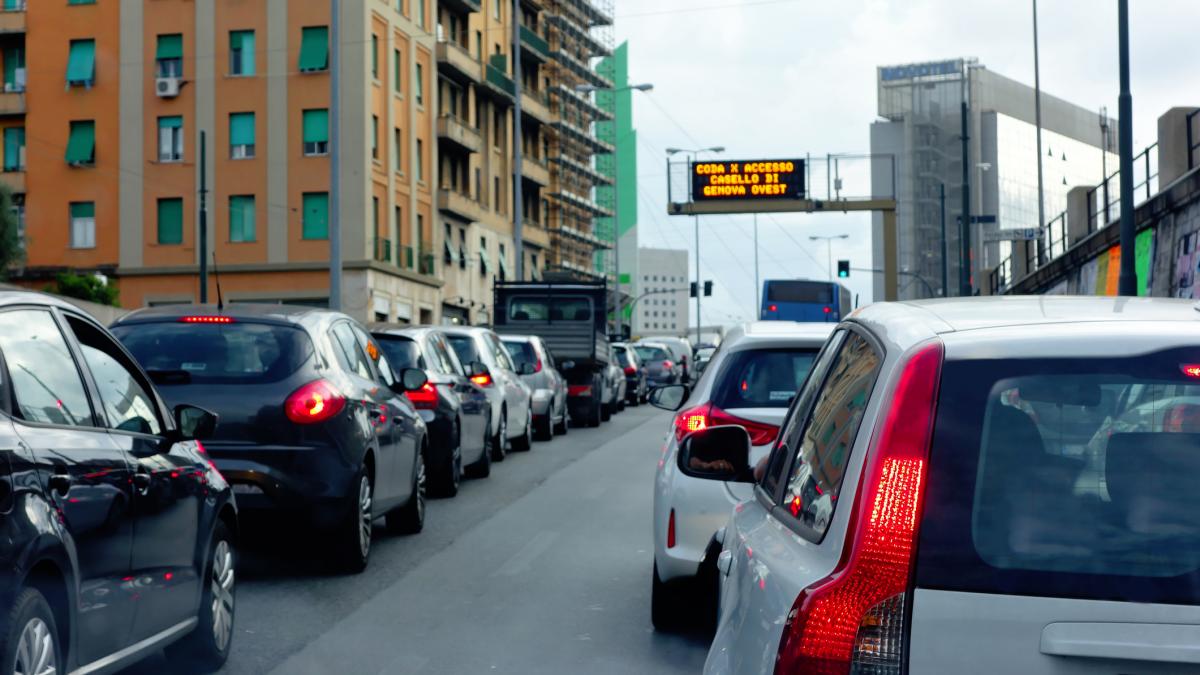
(61, 483)
(141, 480)
(725, 562)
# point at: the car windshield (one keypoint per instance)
(242, 352)
(762, 378)
(521, 352)
(401, 352)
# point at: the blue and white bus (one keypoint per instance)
(804, 300)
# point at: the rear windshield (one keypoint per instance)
(1070, 477)
(555, 309)
(521, 353)
(762, 378)
(464, 347)
(651, 353)
(814, 292)
(401, 352)
(235, 353)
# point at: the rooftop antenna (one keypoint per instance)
(217, 280)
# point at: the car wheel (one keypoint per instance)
(544, 430)
(606, 412)
(664, 604)
(352, 545)
(596, 413)
(500, 442)
(564, 424)
(31, 636)
(449, 476)
(482, 468)
(410, 518)
(524, 442)
(207, 647)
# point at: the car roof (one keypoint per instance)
(766, 334)
(23, 297)
(465, 330)
(516, 338)
(236, 310)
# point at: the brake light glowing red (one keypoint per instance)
(315, 402)
(425, 398)
(773, 308)
(630, 370)
(537, 365)
(828, 310)
(205, 319)
(579, 390)
(866, 592)
(667, 365)
(1192, 370)
(484, 380)
(761, 433)
(690, 421)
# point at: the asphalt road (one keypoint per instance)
(542, 568)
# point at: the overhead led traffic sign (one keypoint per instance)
(748, 180)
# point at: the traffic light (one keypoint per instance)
(707, 288)
(843, 269)
(692, 292)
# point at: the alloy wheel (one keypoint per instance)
(222, 594)
(421, 488)
(364, 514)
(36, 653)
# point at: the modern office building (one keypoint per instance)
(921, 126)
(664, 280)
(620, 167)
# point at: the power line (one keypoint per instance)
(708, 8)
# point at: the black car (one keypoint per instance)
(454, 408)
(117, 534)
(314, 421)
(636, 388)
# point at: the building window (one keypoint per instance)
(314, 49)
(241, 218)
(496, 193)
(170, 221)
(315, 216)
(398, 142)
(14, 149)
(81, 145)
(478, 45)
(81, 65)
(420, 161)
(241, 135)
(498, 128)
(169, 55)
(83, 224)
(170, 139)
(496, 9)
(420, 85)
(375, 56)
(375, 137)
(241, 52)
(485, 265)
(421, 13)
(14, 68)
(316, 132)
(397, 72)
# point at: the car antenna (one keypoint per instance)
(217, 280)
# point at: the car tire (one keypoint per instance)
(564, 425)
(500, 441)
(596, 413)
(665, 604)
(351, 546)
(544, 431)
(606, 412)
(524, 442)
(449, 476)
(410, 518)
(207, 647)
(482, 468)
(30, 621)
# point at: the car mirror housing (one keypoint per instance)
(194, 422)
(669, 397)
(717, 453)
(413, 379)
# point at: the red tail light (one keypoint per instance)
(425, 398)
(691, 420)
(630, 370)
(579, 390)
(773, 308)
(315, 402)
(205, 319)
(482, 380)
(761, 433)
(856, 615)
(537, 365)
(667, 365)
(671, 530)
(828, 310)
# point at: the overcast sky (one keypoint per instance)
(781, 78)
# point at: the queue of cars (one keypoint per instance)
(1012, 477)
(128, 456)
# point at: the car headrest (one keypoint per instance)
(1154, 465)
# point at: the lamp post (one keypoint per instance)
(588, 89)
(982, 166)
(696, 218)
(1037, 107)
(829, 248)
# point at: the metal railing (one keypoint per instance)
(383, 249)
(1104, 200)
(1056, 233)
(1193, 138)
(1002, 275)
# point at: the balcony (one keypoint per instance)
(12, 103)
(15, 180)
(383, 249)
(534, 45)
(426, 262)
(498, 82)
(460, 6)
(460, 205)
(534, 105)
(13, 20)
(456, 133)
(535, 171)
(456, 62)
(581, 70)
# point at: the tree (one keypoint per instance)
(11, 251)
(84, 287)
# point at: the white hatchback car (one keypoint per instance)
(750, 381)
(987, 486)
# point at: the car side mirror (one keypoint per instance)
(669, 397)
(717, 453)
(527, 369)
(194, 422)
(413, 379)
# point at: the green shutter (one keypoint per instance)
(243, 41)
(14, 140)
(316, 126)
(241, 129)
(81, 2)
(419, 86)
(83, 210)
(397, 73)
(241, 218)
(81, 63)
(14, 58)
(375, 56)
(314, 48)
(485, 265)
(315, 224)
(81, 146)
(170, 122)
(169, 47)
(503, 267)
(170, 221)
(451, 253)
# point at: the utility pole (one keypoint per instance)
(1127, 283)
(757, 284)
(964, 225)
(699, 283)
(518, 149)
(202, 244)
(1037, 108)
(335, 151)
(945, 250)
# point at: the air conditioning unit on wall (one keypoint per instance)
(167, 87)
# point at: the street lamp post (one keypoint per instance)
(982, 166)
(588, 89)
(696, 219)
(829, 249)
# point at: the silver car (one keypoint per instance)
(981, 485)
(489, 366)
(540, 373)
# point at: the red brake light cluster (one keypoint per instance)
(484, 380)
(773, 308)
(690, 421)
(856, 615)
(828, 310)
(537, 365)
(1192, 370)
(667, 365)
(425, 398)
(205, 319)
(315, 402)
(630, 370)
(579, 390)
(706, 415)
